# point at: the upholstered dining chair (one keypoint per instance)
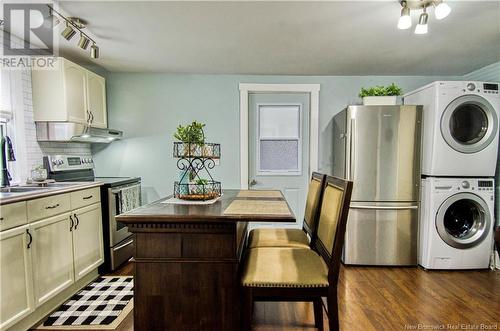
(279, 237)
(296, 274)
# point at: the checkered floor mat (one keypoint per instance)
(99, 303)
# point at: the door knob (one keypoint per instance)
(252, 182)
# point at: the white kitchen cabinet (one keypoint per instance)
(52, 256)
(96, 99)
(87, 239)
(69, 93)
(75, 84)
(16, 290)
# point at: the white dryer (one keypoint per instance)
(456, 223)
(460, 127)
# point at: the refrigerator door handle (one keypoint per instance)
(352, 143)
(384, 207)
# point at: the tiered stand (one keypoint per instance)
(192, 159)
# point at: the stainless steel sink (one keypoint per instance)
(20, 189)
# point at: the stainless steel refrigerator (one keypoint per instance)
(378, 148)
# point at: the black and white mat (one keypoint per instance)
(102, 304)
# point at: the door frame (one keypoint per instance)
(246, 89)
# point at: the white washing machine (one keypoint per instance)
(460, 127)
(456, 223)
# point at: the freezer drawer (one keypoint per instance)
(381, 234)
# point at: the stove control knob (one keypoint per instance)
(465, 184)
(471, 86)
(84, 160)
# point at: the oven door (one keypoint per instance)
(117, 231)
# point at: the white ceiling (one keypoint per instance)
(293, 38)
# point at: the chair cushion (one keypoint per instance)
(278, 238)
(284, 267)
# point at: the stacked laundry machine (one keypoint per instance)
(459, 156)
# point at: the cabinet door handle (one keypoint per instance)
(52, 207)
(86, 198)
(71, 223)
(1, 218)
(30, 238)
(91, 117)
(77, 221)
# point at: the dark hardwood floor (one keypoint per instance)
(373, 298)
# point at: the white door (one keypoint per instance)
(279, 146)
(87, 239)
(16, 292)
(96, 92)
(75, 81)
(52, 257)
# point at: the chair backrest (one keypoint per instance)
(314, 195)
(332, 223)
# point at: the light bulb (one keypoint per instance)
(405, 19)
(422, 27)
(442, 10)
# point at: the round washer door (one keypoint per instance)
(463, 220)
(469, 124)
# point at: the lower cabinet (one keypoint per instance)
(87, 239)
(41, 259)
(52, 256)
(15, 276)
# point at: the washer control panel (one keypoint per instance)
(481, 88)
(466, 184)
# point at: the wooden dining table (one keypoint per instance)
(187, 258)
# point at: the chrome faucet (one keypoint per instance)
(7, 155)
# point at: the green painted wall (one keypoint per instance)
(148, 108)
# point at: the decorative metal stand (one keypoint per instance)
(192, 159)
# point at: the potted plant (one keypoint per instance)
(380, 95)
(192, 136)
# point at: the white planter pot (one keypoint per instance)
(380, 101)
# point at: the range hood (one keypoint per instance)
(74, 132)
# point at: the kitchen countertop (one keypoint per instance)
(51, 189)
(160, 212)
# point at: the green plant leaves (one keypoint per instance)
(380, 90)
(192, 133)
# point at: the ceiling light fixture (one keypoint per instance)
(441, 10)
(94, 51)
(405, 18)
(83, 43)
(73, 25)
(51, 20)
(422, 26)
(68, 32)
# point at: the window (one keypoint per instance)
(12, 118)
(279, 145)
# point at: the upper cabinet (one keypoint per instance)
(69, 93)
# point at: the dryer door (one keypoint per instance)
(469, 124)
(463, 220)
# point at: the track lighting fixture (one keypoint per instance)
(422, 26)
(405, 18)
(68, 32)
(73, 25)
(94, 51)
(441, 10)
(83, 43)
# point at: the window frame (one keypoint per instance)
(299, 139)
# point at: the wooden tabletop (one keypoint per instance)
(159, 212)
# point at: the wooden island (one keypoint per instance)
(187, 258)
